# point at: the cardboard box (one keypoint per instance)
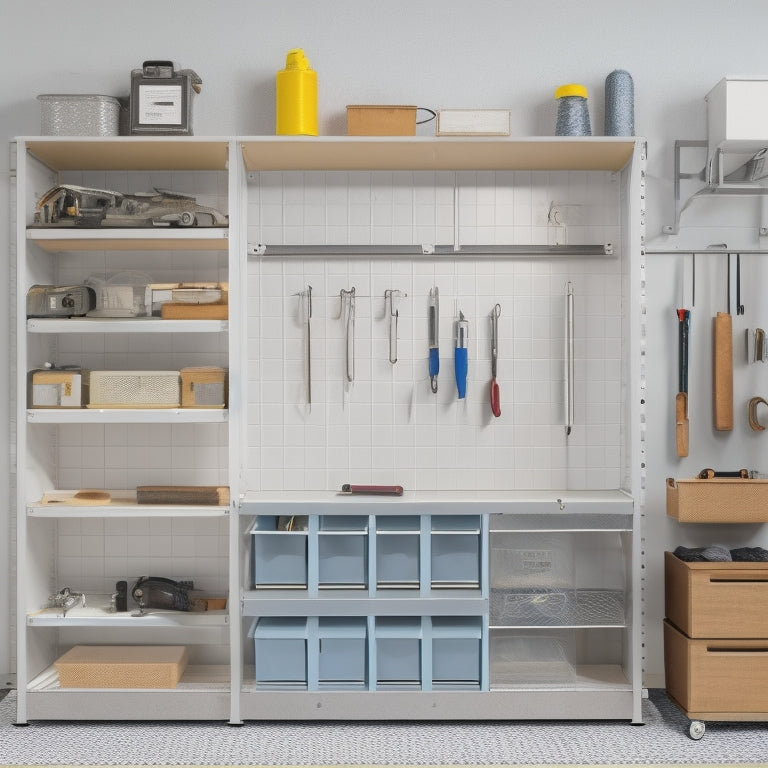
(56, 388)
(203, 387)
(381, 120)
(718, 500)
(122, 666)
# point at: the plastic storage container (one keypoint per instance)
(79, 115)
(296, 97)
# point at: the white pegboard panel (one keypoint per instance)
(388, 427)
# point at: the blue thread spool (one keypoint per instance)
(572, 111)
(619, 104)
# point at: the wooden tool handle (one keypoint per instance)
(722, 386)
(681, 423)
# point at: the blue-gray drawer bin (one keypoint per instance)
(278, 557)
(397, 551)
(343, 660)
(455, 546)
(280, 651)
(342, 543)
(398, 652)
(456, 652)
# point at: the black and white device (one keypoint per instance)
(161, 99)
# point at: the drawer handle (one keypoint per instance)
(733, 651)
(715, 580)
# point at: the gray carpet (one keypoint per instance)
(663, 739)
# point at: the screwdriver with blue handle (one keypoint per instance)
(460, 355)
(434, 337)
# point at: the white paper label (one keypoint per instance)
(160, 105)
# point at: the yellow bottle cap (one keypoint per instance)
(571, 89)
(296, 59)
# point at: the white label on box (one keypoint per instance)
(159, 105)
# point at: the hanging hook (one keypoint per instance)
(394, 314)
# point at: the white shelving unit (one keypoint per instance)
(89, 548)
(364, 607)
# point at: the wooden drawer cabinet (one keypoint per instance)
(716, 679)
(717, 600)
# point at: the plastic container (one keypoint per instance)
(296, 97)
(572, 111)
(79, 115)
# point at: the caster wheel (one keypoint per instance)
(696, 729)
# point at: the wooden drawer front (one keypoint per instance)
(712, 600)
(716, 676)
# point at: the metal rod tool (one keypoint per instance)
(495, 400)
(390, 296)
(305, 307)
(569, 363)
(348, 318)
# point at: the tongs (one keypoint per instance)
(495, 400)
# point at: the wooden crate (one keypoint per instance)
(716, 600)
(122, 666)
(718, 500)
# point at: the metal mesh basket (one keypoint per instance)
(79, 115)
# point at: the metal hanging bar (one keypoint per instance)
(308, 251)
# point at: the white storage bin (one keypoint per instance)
(737, 113)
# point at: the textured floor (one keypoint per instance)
(662, 740)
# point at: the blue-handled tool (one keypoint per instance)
(460, 355)
(434, 337)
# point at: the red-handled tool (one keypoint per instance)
(495, 398)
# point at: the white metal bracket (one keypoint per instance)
(678, 176)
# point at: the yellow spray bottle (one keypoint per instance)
(296, 97)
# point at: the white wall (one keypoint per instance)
(454, 53)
